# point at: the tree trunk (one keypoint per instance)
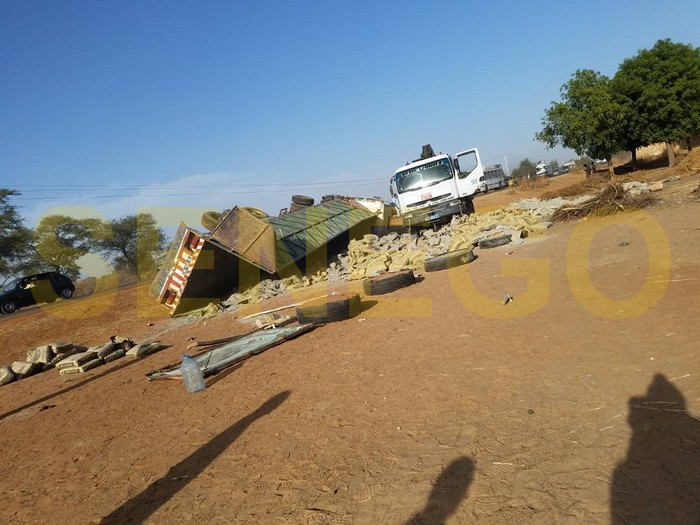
(634, 159)
(670, 154)
(690, 144)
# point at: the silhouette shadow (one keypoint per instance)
(144, 504)
(449, 490)
(659, 480)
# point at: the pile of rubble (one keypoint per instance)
(73, 359)
(373, 255)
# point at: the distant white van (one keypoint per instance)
(494, 177)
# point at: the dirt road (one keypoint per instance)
(576, 403)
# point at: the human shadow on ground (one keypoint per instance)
(144, 504)
(659, 480)
(449, 490)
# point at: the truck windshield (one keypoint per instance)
(423, 176)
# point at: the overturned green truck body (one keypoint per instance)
(243, 249)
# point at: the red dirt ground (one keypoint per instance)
(575, 403)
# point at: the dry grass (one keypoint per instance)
(591, 185)
(530, 184)
(611, 200)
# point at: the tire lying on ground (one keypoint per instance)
(329, 309)
(302, 200)
(388, 282)
(493, 242)
(449, 260)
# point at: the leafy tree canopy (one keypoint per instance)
(15, 238)
(660, 91)
(134, 243)
(60, 241)
(587, 120)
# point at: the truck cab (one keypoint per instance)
(432, 189)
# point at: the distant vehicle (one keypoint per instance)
(543, 169)
(433, 188)
(494, 177)
(33, 289)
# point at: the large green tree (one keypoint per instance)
(133, 243)
(15, 238)
(587, 120)
(660, 91)
(59, 242)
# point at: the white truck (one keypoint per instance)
(432, 189)
(543, 169)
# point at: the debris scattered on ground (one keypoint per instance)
(267, 321)
(507, 299)
(373, 255)
(144, 349)
(241, 347)
(73, 359)
(615, 197)
(545, 208)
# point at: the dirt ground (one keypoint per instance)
(578, 402)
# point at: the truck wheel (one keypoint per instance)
(449, 260)
(469, 205)
(388, 282)
(256, 212)
(8, 307)
(210, 219)
(493, 242)
(330, 311)
(66, 293)
(302, 200)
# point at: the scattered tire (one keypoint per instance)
(330, 311)
(493, 242)
(302, 200)
(256, 212)
(66, 293)
(449, 260)
(210, 219)
(388, 282)
(8, 306)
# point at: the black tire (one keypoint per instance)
(388, 282)
(469, 205)
(302, 200)
(331, 311)
(8, 307)
(66, 293)
(493, 242)
(449, 260)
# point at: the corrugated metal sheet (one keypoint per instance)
(304, 231)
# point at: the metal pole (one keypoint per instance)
(505, 159)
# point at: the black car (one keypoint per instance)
(33, 289)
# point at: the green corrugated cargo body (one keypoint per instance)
(243, 249)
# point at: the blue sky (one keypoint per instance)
(182, 106)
